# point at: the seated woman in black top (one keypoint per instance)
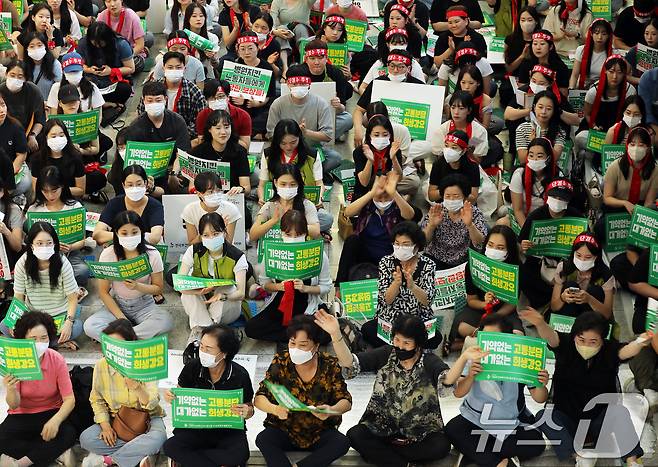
(40, 20)
(213, 369)
(135, 185)
(398, 16)
(542, 52)
(14, 151)
(456, 159)
(220, 143)
(268, 48)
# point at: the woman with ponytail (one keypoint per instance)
(591, 56)
(569, 22)
(634, 115)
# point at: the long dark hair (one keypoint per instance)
(47, 62)
(624, 165)
(598, 271)
(563, 4)
(101, 32)
(28, 24)
(223, 116)
(31, 261)
(384, 50)
(554, 122)
(290, 169)
(511, 241)
(475, 73)
(214, 220)
(517, 34)
(69, 153)
(65, 20)
(121, 219)
(378, 120)
(50, 176)
(623, 128)
(282, 129)
(85, 86)
(343, 36)
(464, 98)
(547, 171)
(189, 11)
(554, 60)
(6, 200)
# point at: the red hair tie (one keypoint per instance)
(398, 58)
(180, 41)
(586, 238)
(298, 81)
(392, 31)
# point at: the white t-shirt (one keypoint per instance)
(188, 260)
(379, 69)
(43, 208)
(96, 98)
(598, 59)
(479, 138)
(517, 186)
(171, 98)
(76, 32)
(265, 173)
(193, 212)
(591, 94)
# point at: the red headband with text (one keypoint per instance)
(391, 31)
(458, 141)
(586, 238)
(178, 40)
(298, 81)
(398, 58)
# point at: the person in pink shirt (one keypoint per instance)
(347, 9)
(126, 23)
(36, 430)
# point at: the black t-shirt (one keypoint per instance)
(440, 7)
(271, 48)
(375, 359)
(422, 13)
(468, 168)
(85, 7)
(414, 44)
(137, 5)
(366, 97)
(640, 273)
(71, 167)
(24, 104)
(225, 20)
(236, 156)
(58, 38)
(12, 139)
(542, 214)
(555, 64)
(576, 381)
(344, 89)
(475, 37)
(514, 50)
(152, 216)
(628, 29)
(7, 171)
(173, 128)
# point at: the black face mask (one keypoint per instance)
(404, 354)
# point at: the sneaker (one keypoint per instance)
(148, 461)
(195, 334)
(585, 461)
(6, 461)
(629, 386)
(652, 397)
(94, 460)
(67, 459)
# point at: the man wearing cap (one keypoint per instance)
(314, 115)
(183, 97)
(315, 61)
(439, 14)
(399, 69)
(629, 29)
(90, 96)
(459, 29)
(535, 269)
(194, 70)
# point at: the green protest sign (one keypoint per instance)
(18, 357)
(5, 44)
(413, 115)
(489, 275)
(511, 358)
(142, 360)
(247, 82)
(69, 224)
(609, 154)
(431, 45)
(356, 34)
(191, 166)
(646, 58)
(653, 265)
(128, 269)
(348, 189)
(200, 42)
(554, 237)
(384, 329)
(253, 158)
(497, 44)
(182, 282)
(14, 312)
(142, 21)
(91, 219)
(359, 298)
(513, 222)
(337, 54)
(287, 261)
(652, 315)
(163, 249)
(206, 408)
(565, 157)
(311, 192)
(273, 234)
(19, 7)
(285, 399)
(450, 287)
(644, 227)
(595, 140)
(154, 157)
(82, 127)
(577, 100)
(6, 22)
(561, 323)
(601, 9)
(617, 226)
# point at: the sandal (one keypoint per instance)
(82, 294)
(68, 346)
(159, 299)
(327, 237)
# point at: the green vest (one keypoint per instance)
(306, 170)
(223, 267)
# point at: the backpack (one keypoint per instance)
(82, 416)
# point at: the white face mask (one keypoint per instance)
(300, 92)
(218, 104)
(74, 78)
(37, 54)
(41, 348)
(43, 252)
(537, 88)
(344, 3)
(403, 253)
(130, 243)
(642, 19)
(208, 360)
(214, 243)
(556, 205)
(14, 85)
(261, 36)
(122, 154)
(583, 265)
(174, 75)
(155, 109)
(135, 193)
(213, 200)
(397, 47)
(57, 143)
(536, 165)
(286, 239)
(382, 205)
(631, 122)
(637, 153)
(299, 357)
(495, 254)
(397, 78)
(528, 26)
(287, 193)
(451, 155)
(380, 142)
(453, 205)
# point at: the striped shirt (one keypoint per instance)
(40, 296)
(109, 392)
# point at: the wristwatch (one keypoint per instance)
(68, 318)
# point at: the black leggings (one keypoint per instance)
(120, 95)
(531, 283)
(273, 444)
(96, 181)
(381, 452)
(207, 448)
(369, 331)
(20, 436)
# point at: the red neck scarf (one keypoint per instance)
(616, 133)
(468, 130)
(636, 177)
(246, 23)
(379, 163)
(585, 63)
(602, 86)
(478, 102)
(292, 158)
(122, 17)
(287, 302)
(566, 10)
(527, 185)
(267, 42)
(176, 99)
